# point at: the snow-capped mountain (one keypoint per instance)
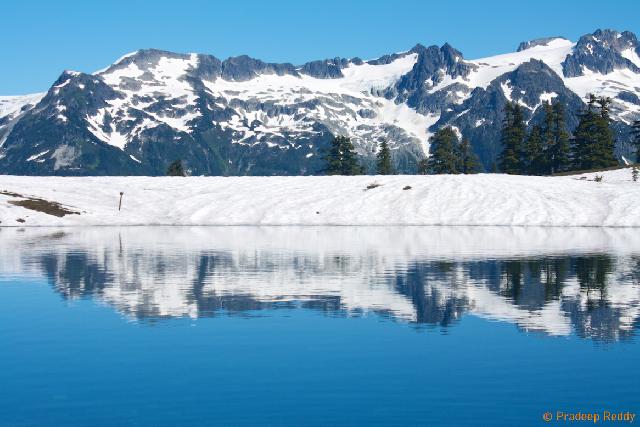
(244, 116)
(12, 108)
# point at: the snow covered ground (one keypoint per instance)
(486, 199)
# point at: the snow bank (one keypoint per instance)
(486, 199)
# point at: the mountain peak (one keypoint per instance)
(451, 52)
(611, 39)
(419, 47)
(604, 51)
(544, 41)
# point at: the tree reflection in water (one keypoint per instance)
(588, 292)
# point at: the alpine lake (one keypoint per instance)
(319, 326)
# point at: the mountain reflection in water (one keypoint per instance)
(555, 280)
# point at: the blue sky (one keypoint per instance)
(40, 39)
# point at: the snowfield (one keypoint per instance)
(485, 199)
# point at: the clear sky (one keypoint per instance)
(40, 39)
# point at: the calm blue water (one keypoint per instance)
(316, 326)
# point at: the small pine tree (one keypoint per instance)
(443, 156)
(506, 157)
(333, 158)
(469, 162)
(634, 173)
(605, 149)
(536, 161)
(423, 166)
(546, 156)
(594, 140)
(350, 164)
(561, 145)
(513, 134)
(636, 138)
(583, 136)
(342, 158)
(384, 165)
(176, 169)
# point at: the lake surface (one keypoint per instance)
(164, 326)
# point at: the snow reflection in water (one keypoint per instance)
(555, 280)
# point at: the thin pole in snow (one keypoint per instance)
(120, 204)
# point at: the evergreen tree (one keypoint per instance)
(443, 156)
(423, 166)
(561, 147)
(594, 139)
(176, 169)
(350, 164)
(333, 158)
(342, 158)
(636, 138)
(384, 165)
(505, 159)
(469, 162)
(584, 136)
(604, 153)
(535, 158)
(513, 135)
(547, 143)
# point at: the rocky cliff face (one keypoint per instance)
(603, 52)
(242, 116)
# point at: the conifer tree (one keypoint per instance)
(175, 169)
(594, 140)
(443, 156)
(584, 137)
(333, 158)
(384, 165)
(636, 138)
(505, 159)
(513, 135)
(535, 159)
(561, 146)
(469, 162)
(350, 165)
(423, 166)
(342, 158)
(547, 143)
(604, 154)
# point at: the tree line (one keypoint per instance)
(546, 148)
(449, 155)
(342, 158)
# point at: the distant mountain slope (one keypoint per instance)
(242, 116)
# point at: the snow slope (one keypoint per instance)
(490, 68)
(487, 199)
(340, 103)
(265, 107)
(11, 107)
